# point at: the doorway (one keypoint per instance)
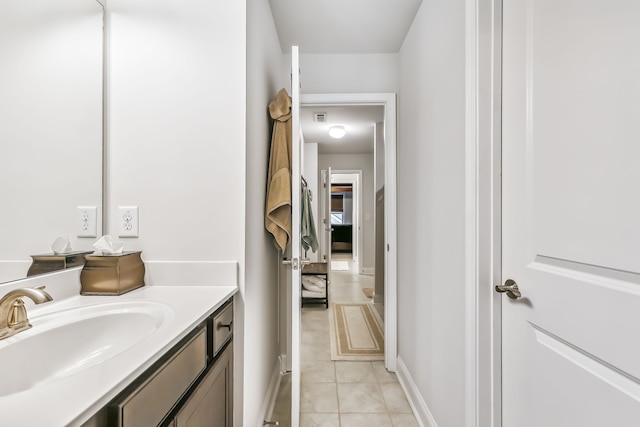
(388, 102)
(346, 216)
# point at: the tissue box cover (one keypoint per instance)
(112, 274)
(46, 263)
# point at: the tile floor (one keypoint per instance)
(345, 393)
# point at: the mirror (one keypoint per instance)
(50, 126)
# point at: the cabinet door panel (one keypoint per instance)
(212, 402)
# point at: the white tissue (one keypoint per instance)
(61, 245)
(108, 246)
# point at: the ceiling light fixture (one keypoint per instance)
(337, 132)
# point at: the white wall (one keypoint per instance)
(348, 73)
(431, 207)
(177, 126)
(264, 80)
(363, 162)
(177, 123)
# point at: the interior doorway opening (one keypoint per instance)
(345, 216)
(389, 331)
(388, 140)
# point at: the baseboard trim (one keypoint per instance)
(272, 395)
(369, 271)
(417, 403)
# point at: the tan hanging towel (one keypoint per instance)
(278, 207)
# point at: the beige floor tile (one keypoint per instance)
(365, 420)
(315, 351)
(318, 397)
(318, 371)
(315, 310)
(382, 375)
(361, 398)
(319, 420)
(354, 372)
(349, 295)
(312, 330)
(395, 398)
(313, 320)
(404, 420)
(344, 393)
(315, 323)
(312, 335)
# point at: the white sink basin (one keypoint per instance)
(68, 341)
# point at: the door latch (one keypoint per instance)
(294, 263)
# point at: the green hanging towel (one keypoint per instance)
(307, 227)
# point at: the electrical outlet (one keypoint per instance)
(128, 217)
(87, 221)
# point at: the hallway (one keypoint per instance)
(345, 393)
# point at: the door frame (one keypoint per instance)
(483, 216)
(355, 179)
(324, 220)
(388, 101)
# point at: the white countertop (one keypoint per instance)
(73, 399)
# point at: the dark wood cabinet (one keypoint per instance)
(211, 403)
(190, 386)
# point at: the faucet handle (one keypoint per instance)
(18, 314)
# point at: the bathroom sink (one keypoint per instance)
(69, 341)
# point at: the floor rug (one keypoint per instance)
(368, 292)
(340, 265)
(356, 332)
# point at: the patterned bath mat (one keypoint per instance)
(356, 332)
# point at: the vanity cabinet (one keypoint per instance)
(148, 403)
(190, 386)
(211, 404)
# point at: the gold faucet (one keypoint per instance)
(13, 314)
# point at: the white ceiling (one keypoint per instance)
(358, 121)
(343, 26)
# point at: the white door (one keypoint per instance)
(296, 248)
(571, 213)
